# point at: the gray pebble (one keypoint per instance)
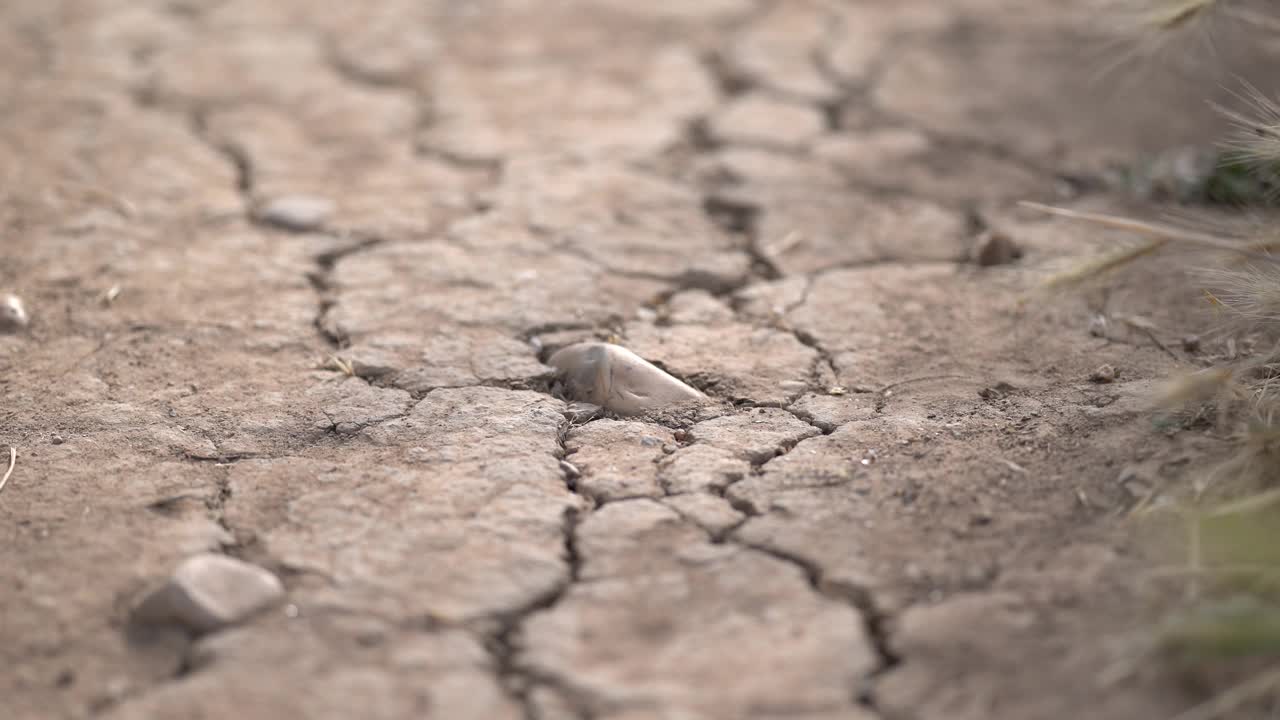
(210, 591)
(617, 379)
(299, 213)
(13, 314)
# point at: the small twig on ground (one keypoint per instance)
(1013, 466)
(783, 246)
(13, 460)
(1083, 498)
(1195, 557)
(1145, 327)
(333, 362)
(892, 386)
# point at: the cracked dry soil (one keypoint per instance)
(773, 200)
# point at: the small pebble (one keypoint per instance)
(1191, 343)
(13, 314)
(299, 213)
(994, 248)
(617, 379)
(56, 439)
(1098, 325)
(570, 470)
(1103, 374)
(210, 591)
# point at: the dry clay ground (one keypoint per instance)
(772, 200)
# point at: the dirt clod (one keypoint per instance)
(1104, 374)
(994, 248)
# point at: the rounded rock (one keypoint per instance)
(210, 591)
(299, 213)
(617, 379)
(13, 314)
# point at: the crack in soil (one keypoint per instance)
(408, 82)
(804, 337)
(875, 622)
(824, 428)
(321, 280)
(237, 157)
(503, 644)
(741, 219)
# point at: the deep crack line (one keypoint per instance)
(236, 156)
(321, 280)
(741, 218)
(874, 621)
(503, 645)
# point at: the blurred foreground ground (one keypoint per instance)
(774, 200)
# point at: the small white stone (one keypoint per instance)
(210, 591)
(299, 213)
(13, 314)
(617, 379)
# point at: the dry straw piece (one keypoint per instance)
(13, 460)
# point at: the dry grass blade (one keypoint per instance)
(1197, 387)
(1103, 264)
(1139, 227)
(888, 389)
(1181, 571)
(1252, 17)
(1173, 14)
(1254, 503)
(1148, 328)
(13, 460)
(333, 362)
(1251, 293)
(1258, 134)
(1154, 230)
(1146, 29)
(1231, 700)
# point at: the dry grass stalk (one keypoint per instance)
(13, 460)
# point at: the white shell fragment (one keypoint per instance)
(299, 213)
(617, 379)
(210, 591)
(13, 314)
